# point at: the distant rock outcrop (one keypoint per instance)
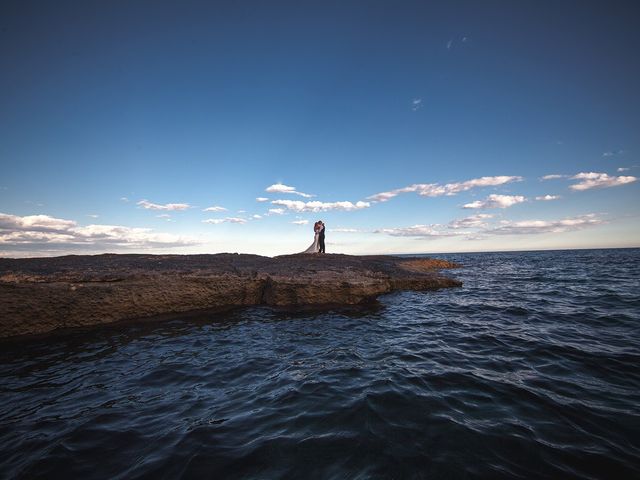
(39, 295)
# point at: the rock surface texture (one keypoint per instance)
(39, 295)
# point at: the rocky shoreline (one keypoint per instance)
(41, 295)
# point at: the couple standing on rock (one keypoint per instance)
(318, 239)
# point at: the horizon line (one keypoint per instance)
(336, 253)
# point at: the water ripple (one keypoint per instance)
(532, 369)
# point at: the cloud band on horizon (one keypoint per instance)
(44, 230)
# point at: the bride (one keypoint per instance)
(315, 246)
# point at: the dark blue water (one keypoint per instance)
(532, 369)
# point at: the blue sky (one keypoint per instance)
(121, 122)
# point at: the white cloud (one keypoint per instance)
(613, 153)
(280, 188)
(449, 44)
(167, 206)
(553, 176)
(262, 199)
(126, 235)
(92, 215)
(163, 215)
(416, 104)
(35, 223)
(623, 169)
(217, 221)
(426, 231)
(588, 180)
(256, 217)
(215, 208)
(345, 230)
(451, 229)
(547, 226)
(124, 199)
(276, 211)
(316, 206)
(474, 221)
(505, 227)
(300, 222)
(548, 198)
(25, 238)
(449, 189)
(496, 201)
(384, 196)
(39, 230)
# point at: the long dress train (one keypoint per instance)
(315, 246)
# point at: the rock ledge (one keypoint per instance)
(39, 295)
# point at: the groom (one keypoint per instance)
(321, 238)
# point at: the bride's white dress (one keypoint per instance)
(314, 246)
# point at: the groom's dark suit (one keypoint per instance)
(321, 240)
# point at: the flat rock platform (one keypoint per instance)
(40, 295)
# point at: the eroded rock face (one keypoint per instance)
(44, 294)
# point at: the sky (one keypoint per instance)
(407, 127)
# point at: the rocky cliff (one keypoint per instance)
(40, 295)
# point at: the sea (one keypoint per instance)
(530, 370)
